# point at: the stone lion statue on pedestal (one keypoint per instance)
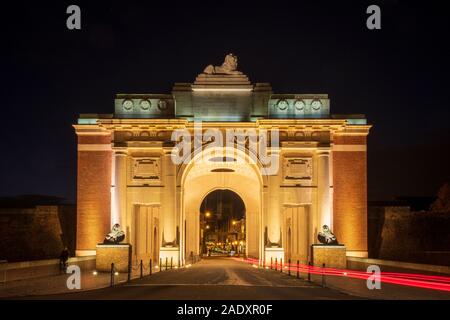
(229, 66)
(326, 236)
(115, 236)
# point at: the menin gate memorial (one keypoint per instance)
(126, 174)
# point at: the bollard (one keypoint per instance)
(171, 263)
(130, 263)
(270, 263)
(281, 265)
(298, 270)
(112, 276)
(309, 269)
(142, 269)
(276, 264)
(150, 266)
(166, 263)
(160, 265)
(323, 275)
(192, 257)
(289, 267)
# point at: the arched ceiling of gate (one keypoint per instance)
(239, 176)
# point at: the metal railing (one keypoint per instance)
(278, 266)
(3, 269)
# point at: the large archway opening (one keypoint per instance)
(215, 172)
(222, 224)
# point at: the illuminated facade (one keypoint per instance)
(126, 173)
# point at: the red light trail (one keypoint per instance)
(405, 279)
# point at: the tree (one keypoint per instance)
(442, 203)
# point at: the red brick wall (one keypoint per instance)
(90, 139)
(350, 139)
(350, 194)
(93, 193)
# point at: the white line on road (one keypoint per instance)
(214, 284)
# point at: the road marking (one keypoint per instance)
(216, 284)
(234, 279)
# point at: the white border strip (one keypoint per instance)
(349, 147)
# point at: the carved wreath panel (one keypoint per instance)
(146, 170)
(297, 170)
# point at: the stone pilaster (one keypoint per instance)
(169, 246)
(170, 222)
(274, 209)
(120, 189)
(323, 189)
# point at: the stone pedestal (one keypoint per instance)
(119, 254)
(273, 253)
(334, 256)
(167, 254)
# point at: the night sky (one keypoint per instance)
(397, 76)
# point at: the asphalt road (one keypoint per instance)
(215, 278)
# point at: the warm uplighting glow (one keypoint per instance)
(222, 89)
(207, 227)
(156, 267)
(234, 222)
(208, 214)
(116, 273)
(94, 273)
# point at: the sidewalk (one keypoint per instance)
(57, 284)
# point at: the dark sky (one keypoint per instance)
(397, 76)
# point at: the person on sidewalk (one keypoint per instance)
(63, 258)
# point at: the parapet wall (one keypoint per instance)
(396, 233)
(36, 233)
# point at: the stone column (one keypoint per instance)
(274, 210)
(169, 223)
(119, 211)
(323, 189)
(169, 247)
(273, 218)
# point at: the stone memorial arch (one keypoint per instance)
(127, 175)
